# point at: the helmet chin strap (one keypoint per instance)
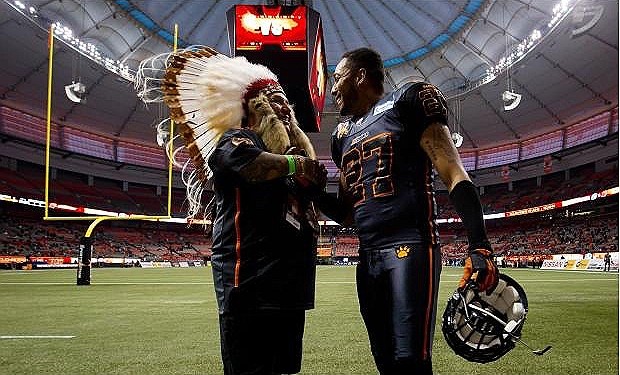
(534, 351)
(509, 331)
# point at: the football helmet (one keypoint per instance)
(483, 327)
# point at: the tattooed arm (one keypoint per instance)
(268, 166)
(439, 147)
(479, 265)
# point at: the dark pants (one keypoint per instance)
(397, 292)
(262, 342)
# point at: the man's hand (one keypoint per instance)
(480, 268)
(310, 173)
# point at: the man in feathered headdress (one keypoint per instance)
(244, 141)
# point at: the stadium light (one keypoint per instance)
(511, 100)
(457, 138)
(66, 35)
(580, 14)
(74, 92)
(559, 12)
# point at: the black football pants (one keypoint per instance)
(262, 342)
(397, 290)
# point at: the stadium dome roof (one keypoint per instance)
(561, 56)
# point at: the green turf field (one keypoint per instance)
(164, 321)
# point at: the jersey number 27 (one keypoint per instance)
(357, 162)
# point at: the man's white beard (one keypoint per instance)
(274, 133)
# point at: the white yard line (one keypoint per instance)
(36, 337)
(113, 283)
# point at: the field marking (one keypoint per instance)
(37, 337)
(551, 280)
(449, 279)
(36, 283)
(111, 283)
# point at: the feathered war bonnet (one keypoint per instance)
(207, 94)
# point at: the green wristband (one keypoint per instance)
(292, 166)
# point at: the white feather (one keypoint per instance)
(203, 90)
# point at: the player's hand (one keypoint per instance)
(481, 269)
(310, 173)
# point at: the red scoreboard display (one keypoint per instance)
(288, 40)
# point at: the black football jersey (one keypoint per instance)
(385, 170)
(260, 260)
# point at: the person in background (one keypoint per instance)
(386, 150)
(607, 262)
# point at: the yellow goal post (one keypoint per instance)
(86, 241)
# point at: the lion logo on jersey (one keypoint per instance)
(239, 141)
(342, 130)
(402, 251)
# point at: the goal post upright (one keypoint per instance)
(86, 242)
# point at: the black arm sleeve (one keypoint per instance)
(465, 199)
(332, 207)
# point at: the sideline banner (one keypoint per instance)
(8, 259)
(582, 265)
(51, 260)
(570, 264)
(551, 264)
(44, 265)
(144, 264)
(594, 264)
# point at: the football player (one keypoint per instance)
(386, 151)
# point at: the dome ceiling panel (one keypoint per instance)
(491, 44)
(350, 31)
(494, 129)
(515, 18)
(405, 73)
(464, 62)
(361, 17)
(405, 39)
(464, 38)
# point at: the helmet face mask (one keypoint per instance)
(483, 328)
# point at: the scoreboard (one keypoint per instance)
(289, 41)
